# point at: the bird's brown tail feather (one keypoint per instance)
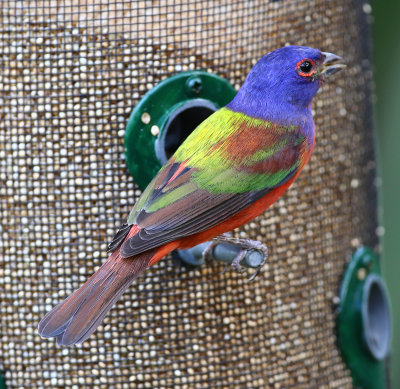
(76, 318)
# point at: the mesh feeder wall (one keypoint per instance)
(71, 72)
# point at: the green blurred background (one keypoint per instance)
(386, 55)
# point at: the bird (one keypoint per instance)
(229, 170)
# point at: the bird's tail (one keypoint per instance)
(76, 318)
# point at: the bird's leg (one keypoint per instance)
(207, 252)
(245, 246)
(223, 238)
(236, 261)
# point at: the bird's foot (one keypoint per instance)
(246, 246)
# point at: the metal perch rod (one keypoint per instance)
(224, 252)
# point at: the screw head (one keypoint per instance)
(146, 118)
(194, 86)
(362, 273)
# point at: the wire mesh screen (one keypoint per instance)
(71, 72)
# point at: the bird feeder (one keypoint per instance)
(85, 105)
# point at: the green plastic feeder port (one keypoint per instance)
(166, 115)
(364, 321)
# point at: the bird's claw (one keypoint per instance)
(245, 245)
(255, 274)
(236, 261)
(264, 250)
(225, 268)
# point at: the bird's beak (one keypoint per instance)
(331, 64)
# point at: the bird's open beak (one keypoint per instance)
(332, 64)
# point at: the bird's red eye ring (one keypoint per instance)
(305, 67)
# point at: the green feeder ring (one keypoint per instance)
(364, 321)
(166, 115)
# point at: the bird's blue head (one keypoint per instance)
(281, 85)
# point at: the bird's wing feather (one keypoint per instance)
(245, 159)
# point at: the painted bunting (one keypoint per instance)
(230, 169)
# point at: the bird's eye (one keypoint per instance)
(306, 67)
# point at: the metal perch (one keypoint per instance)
(224, 252)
